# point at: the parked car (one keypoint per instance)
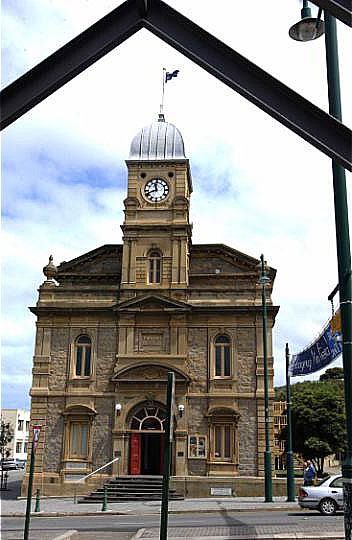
(9, 464)
(326, 496)
(20, 463)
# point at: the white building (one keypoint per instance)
(19, 420)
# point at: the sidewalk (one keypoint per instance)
(51, 507)
(65, 506)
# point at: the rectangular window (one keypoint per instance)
(222, 364)
(20, 425)
(25, 448)
(79, 361)
(87, 362)
(227, 369)
(154, 268)
(18, 447)
(218, 362)
(27, 425)
(78, 440)
(197, 446)
(227, 442)
(222, 442)
(218, 442)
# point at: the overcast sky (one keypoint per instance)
(257, 186)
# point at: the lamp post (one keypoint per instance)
(343, 250)
(290, 477)
(263, 281)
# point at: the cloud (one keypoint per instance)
(64, 177)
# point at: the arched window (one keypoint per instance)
(83, 353)
(149, 418)
(154, 267)
(222, 357)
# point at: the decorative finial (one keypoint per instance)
(50, 271)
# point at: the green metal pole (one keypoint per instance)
(37, 501)
(167, 455)
(343, 260)
(29, 494)
(267, 453)
(290, 476)
(105, 500)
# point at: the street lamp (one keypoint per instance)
(308, 27)
(343, 254)
(264, 280)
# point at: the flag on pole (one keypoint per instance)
(171, 75)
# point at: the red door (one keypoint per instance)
(135, 454)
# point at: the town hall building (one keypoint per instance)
(113, 322)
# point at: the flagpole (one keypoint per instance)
(163, 93)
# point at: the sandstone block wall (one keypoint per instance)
(247, 431)
(54, 435)
(196, 365)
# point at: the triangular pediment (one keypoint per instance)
(105, 260)
(222, 259)
(152, 302)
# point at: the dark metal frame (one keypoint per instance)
(341, 9)
(279, 101)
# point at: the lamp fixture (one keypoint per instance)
(308, 28)
(263, 278)
(118, 408)
(181, 410)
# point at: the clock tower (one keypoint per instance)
(156, 228)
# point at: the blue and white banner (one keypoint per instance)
(319, 354)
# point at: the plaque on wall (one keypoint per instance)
(152, 340)
(221, 491)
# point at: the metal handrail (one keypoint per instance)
(96, 470)
(91, 474)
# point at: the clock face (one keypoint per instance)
(156, 189)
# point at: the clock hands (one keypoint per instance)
(156, 189)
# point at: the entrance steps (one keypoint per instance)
(131, 488)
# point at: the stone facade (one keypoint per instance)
(111, 324)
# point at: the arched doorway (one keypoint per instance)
(147, 439)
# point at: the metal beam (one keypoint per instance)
(70, 60)
(279, 101)
(289, 108)
(341, 9)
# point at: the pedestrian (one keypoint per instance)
(309, 473)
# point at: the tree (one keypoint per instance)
(6, 436)
(332, 373)
(318, 420)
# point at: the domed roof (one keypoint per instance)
(160, 140)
